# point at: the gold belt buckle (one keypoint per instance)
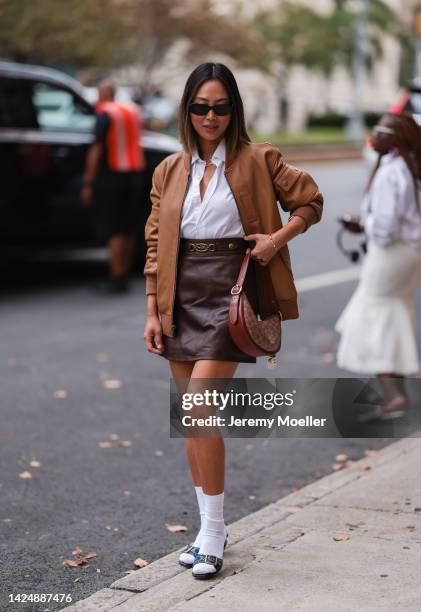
(202, 247)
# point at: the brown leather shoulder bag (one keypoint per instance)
(254, 336)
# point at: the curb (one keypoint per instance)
(166, 568)
(323, 155)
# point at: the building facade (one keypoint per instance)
(271, 107)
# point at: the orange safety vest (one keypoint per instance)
(124, 152)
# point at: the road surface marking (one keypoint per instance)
(327, 279)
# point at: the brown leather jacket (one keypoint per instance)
(258, 177)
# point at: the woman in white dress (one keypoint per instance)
(377, 326)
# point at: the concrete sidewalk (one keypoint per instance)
(286, 557)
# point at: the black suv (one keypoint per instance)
(46, 126)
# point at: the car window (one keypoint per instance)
(16, 107)
(59, 109)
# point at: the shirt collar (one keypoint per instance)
(389, 157)
(217, 157)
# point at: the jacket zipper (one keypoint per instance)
(176, 257)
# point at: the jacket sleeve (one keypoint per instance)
(151, 233)
(296, 190)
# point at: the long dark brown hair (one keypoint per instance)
(408, 143)
(236, 132)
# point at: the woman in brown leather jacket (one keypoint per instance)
(207, 202)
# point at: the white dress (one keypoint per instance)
(377, 326)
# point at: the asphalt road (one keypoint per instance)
(60, 344)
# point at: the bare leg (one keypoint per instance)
(394, 394)
(129, 252)
(206, 458)
(121, 248)
(210, 452)
(183, 370)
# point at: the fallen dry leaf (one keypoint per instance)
(25, 474)
(140, 562)
(112, 383)
(76, 579)
(341, 457)
(105, 444)
(363, 467)
(327, 347)
(175, 528)
(78, 552)
(74, 562)
(341, 538)
(60, 394)
(35, 463)
(294, 509)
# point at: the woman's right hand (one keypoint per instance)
(153, 335)
(352, 223)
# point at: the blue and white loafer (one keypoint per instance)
(206, 566)
(187, 557)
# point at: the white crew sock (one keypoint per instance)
(201, 502)
(214, 532)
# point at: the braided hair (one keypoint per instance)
(408, 144)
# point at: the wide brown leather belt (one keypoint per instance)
(208, 246)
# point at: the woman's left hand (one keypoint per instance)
(263, 250)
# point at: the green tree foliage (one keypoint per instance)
(296, 34)
(70, 31)
(110, 33)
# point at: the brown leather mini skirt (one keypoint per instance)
(207, 270)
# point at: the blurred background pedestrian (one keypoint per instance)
(378, 324)
(112, 182)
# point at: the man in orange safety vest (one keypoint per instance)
(113, 181)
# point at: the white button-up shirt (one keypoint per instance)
(389, 209)
(217, 215)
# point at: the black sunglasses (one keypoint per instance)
(218, 109)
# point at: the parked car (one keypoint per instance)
(46, 126)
